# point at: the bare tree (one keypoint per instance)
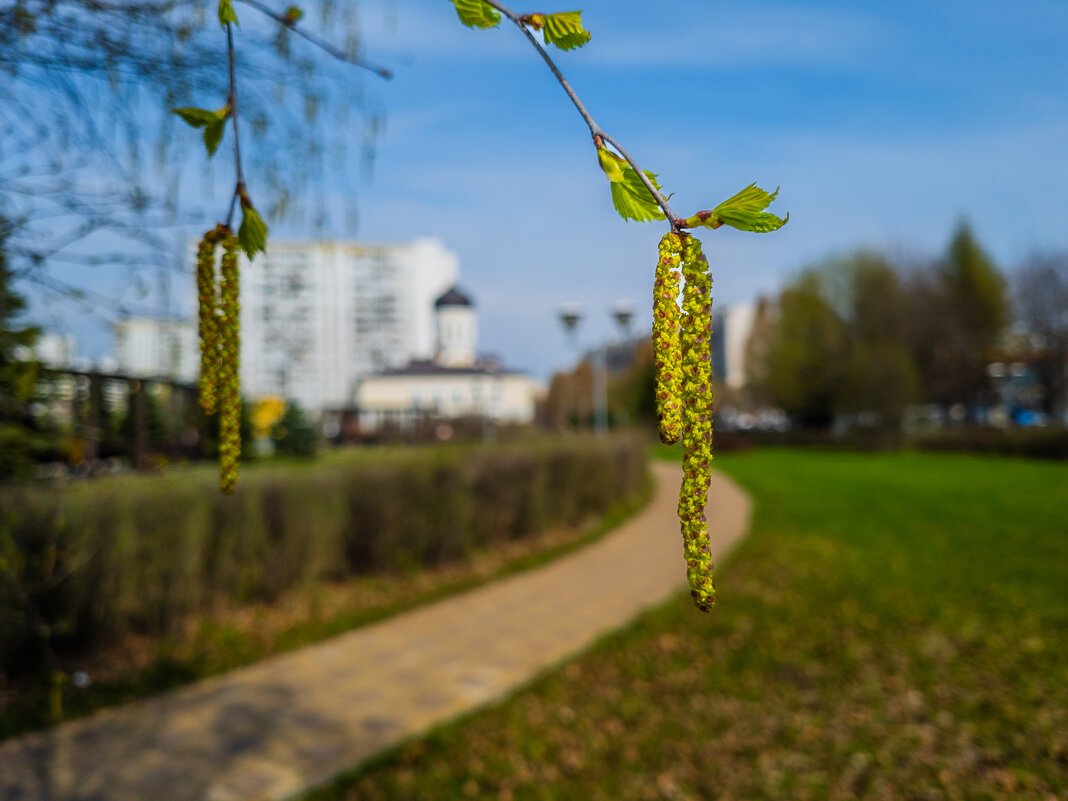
(94, 167)
(1041, 299)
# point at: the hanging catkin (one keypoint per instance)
(666, 339)
(227, 369)
(208, 329)
(697, 421)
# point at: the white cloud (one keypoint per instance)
(754, 36)
(689, 34)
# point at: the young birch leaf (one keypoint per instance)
(253, 232)
(744, 211)
(226, 13)
(632, 199)
(196, 117)
(629, 195)
(565, 30)
(476, 14)
(213, 123)
(213, 134)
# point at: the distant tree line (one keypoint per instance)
(858, 340)
(861, 341)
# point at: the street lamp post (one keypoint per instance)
(623, 312)
(570, 317)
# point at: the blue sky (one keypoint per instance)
(883, 123)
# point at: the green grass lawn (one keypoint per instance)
(896, 626)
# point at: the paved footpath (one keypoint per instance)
(277, 728)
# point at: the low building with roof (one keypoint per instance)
(455, 384)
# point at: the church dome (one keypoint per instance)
(454, 297)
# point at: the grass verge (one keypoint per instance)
(138, 667)
(894, 627)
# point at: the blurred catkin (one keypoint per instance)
(227, 369)
(207, 294)
(666, 339)
(697, 421)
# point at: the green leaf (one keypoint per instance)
(565, 30)
(293, 15)
(226, 13)
(253, 232)
(213, 123)
(630, 196)
(197, 117)
(477, 14)
(213, 134)
(744, 211)
(632, 199)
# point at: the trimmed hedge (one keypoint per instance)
(84, 563)
(1033, 443)
(728, 441)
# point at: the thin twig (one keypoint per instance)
(233, 205)
(322, 44)
(595, 129)
(596, 132)
(233, 117)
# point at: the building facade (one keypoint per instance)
(56, 350)
(420, 390)
(316, 316)
(731, 328)
(454, 384)
(157, 348)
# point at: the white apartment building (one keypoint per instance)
(56, 350)
(317, 315)
(731, 328)
(150, 347)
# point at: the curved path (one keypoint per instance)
(277, 728)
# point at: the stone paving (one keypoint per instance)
(280, 727)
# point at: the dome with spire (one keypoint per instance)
(454, 297)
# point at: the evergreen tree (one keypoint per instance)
(18, 376)
(966, 309)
